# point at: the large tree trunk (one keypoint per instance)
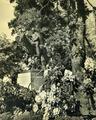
(77, 41)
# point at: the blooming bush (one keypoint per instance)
(55, 97)
(89, 64)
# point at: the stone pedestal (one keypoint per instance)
(31, 79)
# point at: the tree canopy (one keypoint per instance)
(57, 26)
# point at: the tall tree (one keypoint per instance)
(66, 26)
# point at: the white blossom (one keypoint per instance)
(95, 90)
(35, 107)
(65, 106)
(42, 95)
(43, 104)
(29, 59)
(38, 99)
(67, 73)
(6, 79)
(81, 87)
(51, 97)
(23, 66)
(89, 64)
(56, 111)
(53, 87)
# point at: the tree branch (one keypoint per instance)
(44, 6)
(91, 5)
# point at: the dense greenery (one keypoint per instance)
(66, 26)
(53, 36)
(12, 57)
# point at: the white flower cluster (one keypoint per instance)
(68, 75)
(89, 64)
(45, 99)
(51, 100)
(23, 66)
(40, 97)
(35, 107)
(56, 111)
(6, 79)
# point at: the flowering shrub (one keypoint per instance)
(89, 64)
(55, 97)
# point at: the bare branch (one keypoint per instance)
(91, 4)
